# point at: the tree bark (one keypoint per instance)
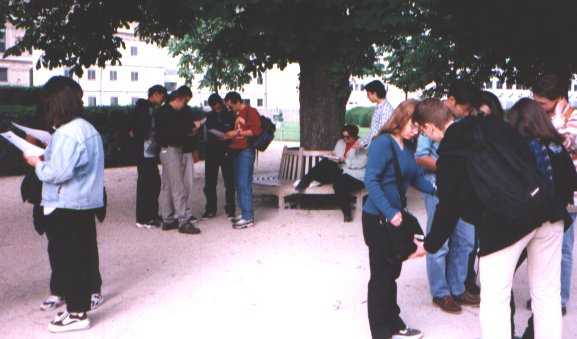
(324, 91)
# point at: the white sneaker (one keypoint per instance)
(315, 183)
(65, 322)
(145, 226)
(96, 300)
(52, 303)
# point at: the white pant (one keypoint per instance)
(544, 267)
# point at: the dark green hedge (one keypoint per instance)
(11, 95)
(360, 116)
(113, 124)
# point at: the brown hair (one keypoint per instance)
(432, 111)
(530, 120)
(552, 86)
(353, 131)
(401, 115)
(61, 100)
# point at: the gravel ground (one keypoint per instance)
(297, 274)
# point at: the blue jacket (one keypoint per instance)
(380, 178)
(72, 172)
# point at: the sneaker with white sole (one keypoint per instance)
(65, 322)
(96, 300)
(243, 223)
(408, 333)
(52, 303)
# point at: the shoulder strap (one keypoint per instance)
(399, 178)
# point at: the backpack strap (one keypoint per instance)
(398, 175)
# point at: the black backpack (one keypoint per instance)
(262, 141)
(507, 183)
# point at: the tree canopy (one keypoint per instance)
(429, 40)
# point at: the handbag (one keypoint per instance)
(402, 237)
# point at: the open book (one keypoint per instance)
(23, 145)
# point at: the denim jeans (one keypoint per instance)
(567, 262)
(243, 171)
(447, 269)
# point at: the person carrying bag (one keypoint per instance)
(388, 228)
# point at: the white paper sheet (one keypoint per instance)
(23, 145)
(41, 135)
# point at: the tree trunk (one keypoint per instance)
(324, 91)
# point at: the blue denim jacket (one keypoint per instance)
(72, 172)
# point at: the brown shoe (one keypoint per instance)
(468, 299)
(447, 304)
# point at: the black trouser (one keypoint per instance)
(471, 281)
(217, 158)
(147, 190)
(329, 172)
(384, 312)
(344, 187)
(73, 252)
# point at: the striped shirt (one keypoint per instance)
(381, 116)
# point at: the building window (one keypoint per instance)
(4, 74)
(113, 101)
(246, 101)
(205, 103)
(134, 76)
(133, 51)
(500, 84)
(509, 86)
(68, 73)
(259, 80)
(113, 76)
(575, 87)
(91, 101)
(91, 74)
(2, 39)
(134, 100)
(489, 84)
(170, 86)
(259, 102)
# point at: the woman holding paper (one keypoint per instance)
(72, 174)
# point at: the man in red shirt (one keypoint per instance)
(246, 126)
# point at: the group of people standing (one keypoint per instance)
(66, 185)
(539, 135)
(169, 132)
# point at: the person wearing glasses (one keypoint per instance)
(344, 168)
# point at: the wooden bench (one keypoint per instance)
(294, 164)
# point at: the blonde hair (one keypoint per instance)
(400, 117)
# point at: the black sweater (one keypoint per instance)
(172, 127)
(457, 198)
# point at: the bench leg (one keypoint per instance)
(281, 203)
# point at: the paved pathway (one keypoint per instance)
(297, 274)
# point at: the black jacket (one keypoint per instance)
(457, 198)
(222, 121)
(142, 124)
(172, 127)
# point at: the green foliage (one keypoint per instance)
(424, 59)
(197, 57)
(360, 116)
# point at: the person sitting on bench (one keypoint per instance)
(344, 168)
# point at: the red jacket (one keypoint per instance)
(246, 119)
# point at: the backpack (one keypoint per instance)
(507, 184)
(262, 141)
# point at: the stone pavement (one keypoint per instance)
(297, 274)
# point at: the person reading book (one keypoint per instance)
(344, 168)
